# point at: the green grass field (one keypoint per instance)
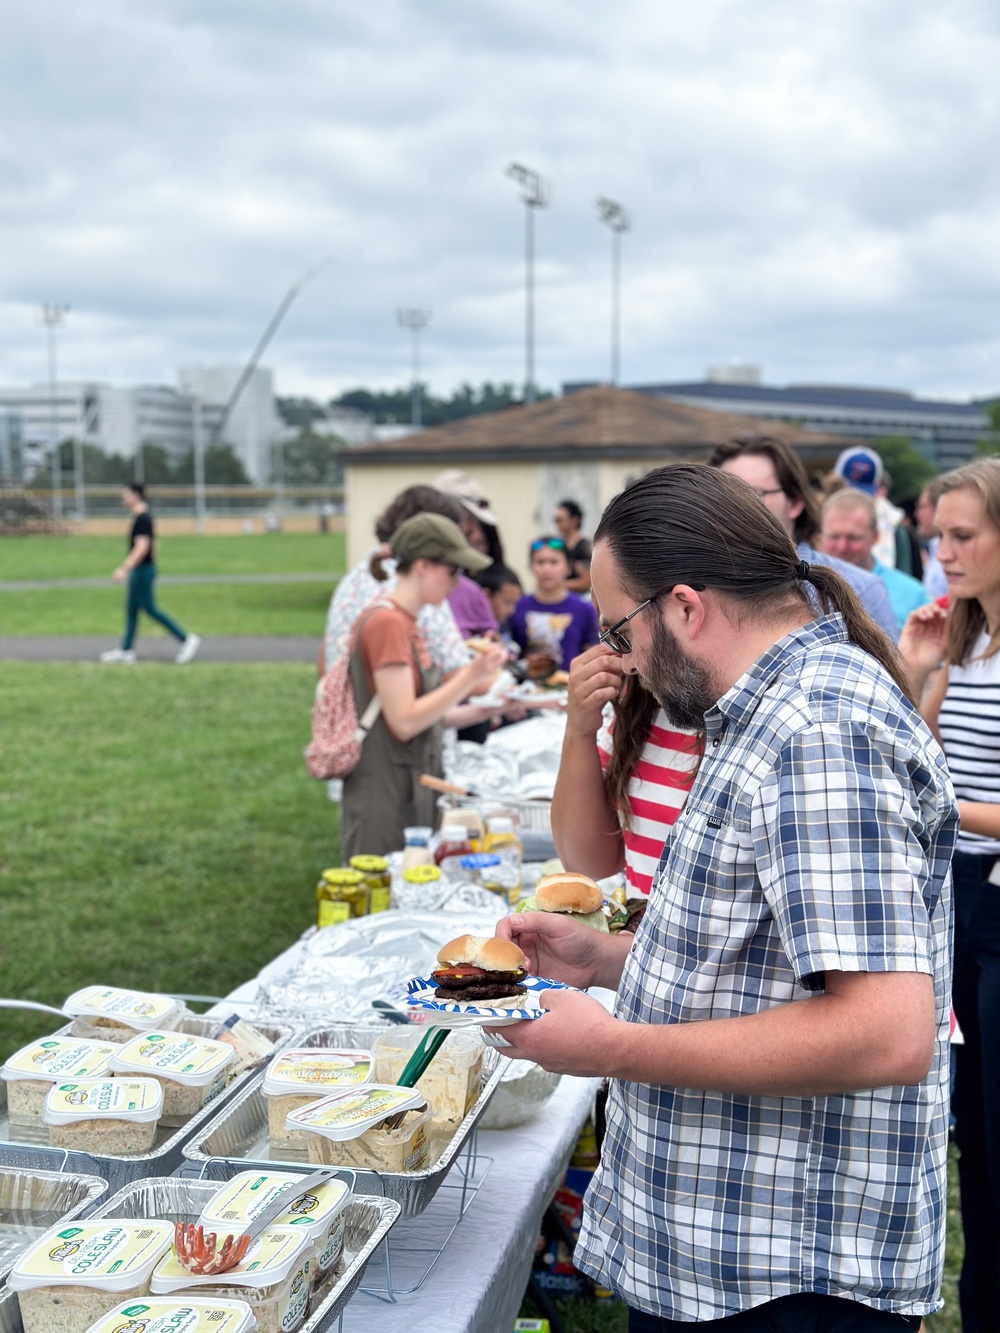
(210, 608)
(157, 829)
(96, 557)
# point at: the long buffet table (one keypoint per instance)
(476, 1284)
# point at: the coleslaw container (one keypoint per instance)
(349, 1129)
(104, 1115)
(169, 1314)
(31, 1071)
(300, 1076)
(123, 1012)
(192, 1070)
(75, 1274)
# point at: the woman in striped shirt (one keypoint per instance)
(622, 783)
(963, 707)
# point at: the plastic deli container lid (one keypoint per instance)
(346, 1115)
(137, 1099)
(269, 1260)
(193, 1061)
(54, 1058)
(137, 1009)
(174, 1314)
(237, 1204)
(108, 1255)
(313, 1070)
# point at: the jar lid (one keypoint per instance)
(137, 1009)
(55, 1058)
(167, 1314)
(246, 1196)
(422, 874)
(317, 1071)
(369, 865)
(480, 861)
(454, 833)
(137, 1099)
(269, 1260)
(417, 836)
(341, 875)
(109, 1255)
(346, 1115)
(193, 1061)
(500, 824)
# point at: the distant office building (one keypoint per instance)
(945, 432)
(253, 426)
(11, 450)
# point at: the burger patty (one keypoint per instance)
(480, 989)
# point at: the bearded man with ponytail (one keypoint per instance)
(778, 1050)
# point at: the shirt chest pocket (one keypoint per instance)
(709, 884)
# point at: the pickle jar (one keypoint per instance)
(376, 872)
(426, 875)
(341, 894)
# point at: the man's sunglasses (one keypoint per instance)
(617, 642)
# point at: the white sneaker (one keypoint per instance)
(126, 656)
(188, 649)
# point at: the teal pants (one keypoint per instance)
(140, 598)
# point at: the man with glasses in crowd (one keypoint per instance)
(777, 1130)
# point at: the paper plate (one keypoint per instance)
(449, 1013)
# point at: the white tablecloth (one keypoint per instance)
(477, 1283)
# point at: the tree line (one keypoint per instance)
(389, 406)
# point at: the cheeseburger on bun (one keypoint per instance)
(569, 892)
(475, 967)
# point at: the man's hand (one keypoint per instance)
(595, 677)
(576, 1035)
(564, 950)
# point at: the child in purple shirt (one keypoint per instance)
(551, 624)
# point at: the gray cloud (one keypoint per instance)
(813, 188)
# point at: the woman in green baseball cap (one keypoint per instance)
(389, 660)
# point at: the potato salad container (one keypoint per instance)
(236, 1137)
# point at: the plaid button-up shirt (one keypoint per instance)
(818, 836)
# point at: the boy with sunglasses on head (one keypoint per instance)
(550, 625)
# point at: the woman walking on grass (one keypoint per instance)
(962, 706)
(139, 568)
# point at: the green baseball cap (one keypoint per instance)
(434, 537)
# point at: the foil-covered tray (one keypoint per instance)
(31, 1201)
(236, 1138)
(28, 1146)
(367, 1223)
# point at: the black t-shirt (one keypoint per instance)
(580, 553)
(142, 526)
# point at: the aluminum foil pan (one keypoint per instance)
(236, 1139)
(29, 1147)
(367, 1222)
(343, 968)
(33, 1201)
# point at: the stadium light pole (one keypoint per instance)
(52, 317)
(615, 217)
(416, 321)
(534, 194)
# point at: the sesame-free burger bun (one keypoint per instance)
(489, 953)
(568, 891)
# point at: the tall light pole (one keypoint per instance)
(52, 316)
(615, 217)
(416, 321)
(534, 194)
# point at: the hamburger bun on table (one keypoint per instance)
(570, 892)
(478, 968)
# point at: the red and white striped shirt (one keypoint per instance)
(657, 791)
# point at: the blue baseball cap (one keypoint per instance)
(860, 468)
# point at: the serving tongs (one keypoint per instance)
(427, 1047)
(202, 1254)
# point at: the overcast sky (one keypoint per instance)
(815, 188)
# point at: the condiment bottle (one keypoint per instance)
(341, 894)
(488, 871)
(452, 846)
(417, 851)
(502, 840)
(376, 872)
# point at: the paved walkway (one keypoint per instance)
(86, 648)
(168, 580)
